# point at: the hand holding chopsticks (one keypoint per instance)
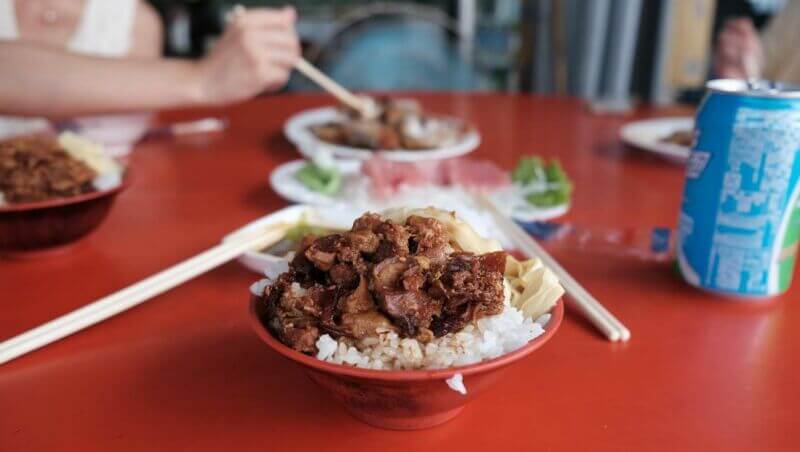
(138, 293)
(364, 106)
(360, 104)
(594, 311)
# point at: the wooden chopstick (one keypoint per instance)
(604, 320)
(137, 293)
(328, 84)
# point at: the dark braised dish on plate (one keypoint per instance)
(680, 137)
(39, 168)
(400, 124)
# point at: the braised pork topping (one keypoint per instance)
(37, 168)
(382, 276)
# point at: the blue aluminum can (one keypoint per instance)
(740, 218)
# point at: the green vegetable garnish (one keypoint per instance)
(546, 183)
(296, 233)
(528, 170)
(548, 198)
(321, 180)
(294, 236)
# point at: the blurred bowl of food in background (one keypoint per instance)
(54, 191)
(401, 130)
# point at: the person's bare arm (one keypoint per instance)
(256, 53)
(147, 32)
(36, 80)
(737, 43)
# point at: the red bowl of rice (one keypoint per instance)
(53, 191)
(404, 399)
(29, 229)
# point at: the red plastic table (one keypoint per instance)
(185, 372)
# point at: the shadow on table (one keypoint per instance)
(619, 151)
(573, 315)
(229, 376)
(619, 284)
(263, 198)
(277, 145)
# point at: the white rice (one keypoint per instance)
(486, 338)
(456, 383)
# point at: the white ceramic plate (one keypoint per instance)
(530, 213)
(648, 133)
(117, 133)
(298, 132)
(261, 262)
(12, 126)
(354, 193)
(283, 181)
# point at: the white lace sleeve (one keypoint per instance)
(105, 28)
(8, 20)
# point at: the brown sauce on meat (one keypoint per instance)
(381, 275)
(680, 137)
(36, 169)
(385, 131)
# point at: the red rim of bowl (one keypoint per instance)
(408, 375)
(59, 202)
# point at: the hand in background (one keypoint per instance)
(738, 46)
(256, 53)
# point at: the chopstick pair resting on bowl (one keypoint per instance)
(152, 286)
(600, 317)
